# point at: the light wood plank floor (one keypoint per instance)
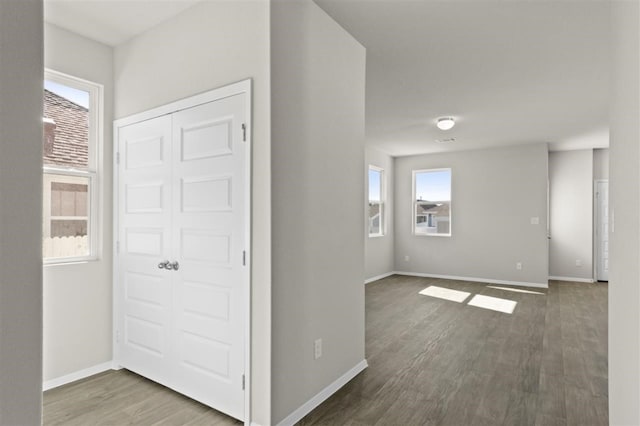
(121, 398)
(431, 362)
(438, 362)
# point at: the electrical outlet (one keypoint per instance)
(406, 258)
(317, 348)
(535, 221)
(578, 263)
(519, 266)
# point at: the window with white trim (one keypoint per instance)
(376, 214)
(432, 202)
(71, 145)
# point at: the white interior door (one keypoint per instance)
(183, 237)
(208, 222)
(602, 230)
(144, 235)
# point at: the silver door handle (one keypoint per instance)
(169, 266)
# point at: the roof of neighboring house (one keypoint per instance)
(70, 142)
(439, 208)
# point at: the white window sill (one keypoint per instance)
(70, 261)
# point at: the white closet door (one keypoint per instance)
(182, 197)
(145, 296)
(209, 224)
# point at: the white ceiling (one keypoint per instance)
(510, 72)
(112, 22)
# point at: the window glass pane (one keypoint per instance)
(66, 216)
(376, 206)
(375, 182)
(433, 185)
(66, 127)
(375, 219)
(433, 202)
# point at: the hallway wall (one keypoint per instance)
(20, 212)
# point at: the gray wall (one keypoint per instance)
(317, 110)
(495, 193)
(71, 345)
(379, 256)
(190, 54)
(20, 214)
(624, 214)
(571, 214)
(600, 164)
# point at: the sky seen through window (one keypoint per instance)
(433, 185)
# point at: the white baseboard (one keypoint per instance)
(377, 277)
(480, 280)
(59, 381)
(579, 280)
(325, 393)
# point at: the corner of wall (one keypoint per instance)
(624, 214)
(317, 77)
(21, 105)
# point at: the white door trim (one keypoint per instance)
(596, 231)
(241, 87)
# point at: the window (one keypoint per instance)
(376, 201)
(432, 202)
(71, 144)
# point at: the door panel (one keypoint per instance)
(142, 151)
(145, 237)
(206, 138)
(219, 193)
(145, 198)
(209, 155)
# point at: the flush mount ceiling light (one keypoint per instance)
(445, 123)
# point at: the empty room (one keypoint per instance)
(279, 212)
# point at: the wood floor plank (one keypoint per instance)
(584, 408)
(551, 402)
(522, 409)
(545, 420)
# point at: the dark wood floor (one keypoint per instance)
(437, 362)
(431, 362)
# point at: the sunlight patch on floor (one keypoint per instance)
(445, 293)
(516, 290)
(493, 303)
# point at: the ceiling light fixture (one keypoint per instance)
(445, 123)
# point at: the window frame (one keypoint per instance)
(94, 167)
(415, 203)
(382, 203)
